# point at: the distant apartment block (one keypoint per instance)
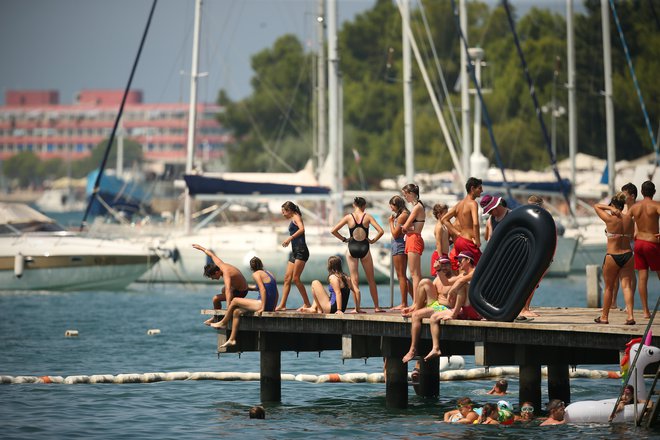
(34, 120)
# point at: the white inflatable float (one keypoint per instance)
(599, 411)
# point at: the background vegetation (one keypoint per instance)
(274, 129)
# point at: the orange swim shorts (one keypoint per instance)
(414, 244)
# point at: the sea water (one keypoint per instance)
(113, 339)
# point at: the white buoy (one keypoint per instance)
(19, 265)
(153, 331)
(71, 333)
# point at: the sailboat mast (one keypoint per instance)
(333, 110)
(609, 106)
(407, 94)
(465, 98)
(322, 132)
(192, 114)
(572, 110)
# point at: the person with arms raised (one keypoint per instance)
(235, 285)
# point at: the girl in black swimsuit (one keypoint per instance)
(358, 246)
(299, 254)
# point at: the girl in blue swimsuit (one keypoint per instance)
(358, 246)
(339, 290)
(299, 254)
(266, 285)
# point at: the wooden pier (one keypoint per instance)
(559, 338)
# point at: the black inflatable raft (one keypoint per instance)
(516, 258)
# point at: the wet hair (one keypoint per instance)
(502, 385)
(210, 269)
(472, 182)
(554, 404)
(335, 268)
(257, 412)
(256, 264)
(465, 401)
(360, 202)
(648, 189)
(291, 207)
(488, 410)
(399, 204)
(412, 189)
(618, 201)
(630, 188)
(438, 209)
(535, 200)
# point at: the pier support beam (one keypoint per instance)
(396, 372)
(429, 378)
(529, 364)
(530, 385)
(396, 383)
(271, 379)
(559, 383)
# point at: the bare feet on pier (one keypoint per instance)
(434, 353)
(219, 324)
(210, 321)
(408, 357)
(229, 343)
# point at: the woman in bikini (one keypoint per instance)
(358, 247)
(399, 258)
(339, 290)
(618, 262)
(267, 287)
(413, 230)
(299, 254)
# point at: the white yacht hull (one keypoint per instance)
(70, 262)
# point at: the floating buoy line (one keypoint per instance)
(469, 374)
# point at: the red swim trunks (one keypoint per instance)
(414, 244)
(434, 258)
(463, 244)
(647, 255)
(468, 313)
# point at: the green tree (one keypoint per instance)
(22, 167)
(132, 155)
(276, 115)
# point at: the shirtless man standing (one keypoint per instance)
(235, 285)
(466, 213)
(646, 213)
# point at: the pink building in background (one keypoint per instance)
(34, 120)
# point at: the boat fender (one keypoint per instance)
(19, 265)
(517, 256)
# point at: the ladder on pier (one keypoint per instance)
(652, 405)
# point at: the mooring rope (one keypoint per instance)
(470, 374)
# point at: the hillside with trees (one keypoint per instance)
(274, 125)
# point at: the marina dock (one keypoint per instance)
(559, 338)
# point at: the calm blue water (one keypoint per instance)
(113, 340)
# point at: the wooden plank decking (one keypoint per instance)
(559, 337)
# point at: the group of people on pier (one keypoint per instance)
(633, 243)
(457, 252)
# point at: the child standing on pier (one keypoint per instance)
(299, 254)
